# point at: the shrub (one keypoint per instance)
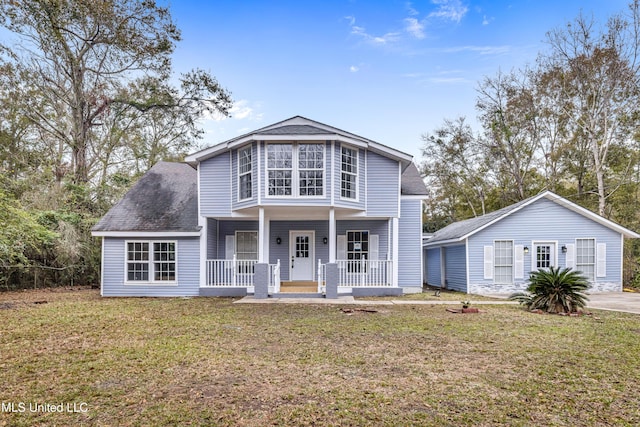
(554, 290)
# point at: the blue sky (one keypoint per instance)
(389, 71)
(386, 70)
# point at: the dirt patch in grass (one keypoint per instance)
(206, 361)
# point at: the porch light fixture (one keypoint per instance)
(564, 249)
(526, 249)
(324, 240)
(278, 240)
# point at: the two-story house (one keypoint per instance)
(296, 206)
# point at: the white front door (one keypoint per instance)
(544, 255)
(301, 255)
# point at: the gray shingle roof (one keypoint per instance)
(295, 130)
(411, 183)
(460, 229)
(164, 199)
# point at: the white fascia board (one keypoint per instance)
(375, 146)
(160, 234)
(413, 197)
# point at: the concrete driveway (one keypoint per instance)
(616, 301)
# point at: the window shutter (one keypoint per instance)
(341, 247)
(601, 256)
(571, 256)
(229, 246)
(488, 262)
(518, 265)
(373, 247)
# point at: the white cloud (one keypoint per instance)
(375, 40)
(411, 10)
(241, 110)
(452, 10)
(414, 27)
(354, 69)
(485, 20)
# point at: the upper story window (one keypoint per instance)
(349, 177)
(244, 173)
(311, 169)
(280, 169)
(295, 169)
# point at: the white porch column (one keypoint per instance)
(261, 235)
(332, 235)
(394, 250)
(204, 237)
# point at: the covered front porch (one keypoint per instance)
(328, 253)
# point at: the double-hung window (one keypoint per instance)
(357, 249)
(586, 258)
(349, 175)
(311, 169)
(244, 173)
(151, 261)
(280, 169)
(295, 169)
(503, 262)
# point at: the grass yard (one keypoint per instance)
(206, 361)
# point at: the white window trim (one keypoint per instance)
(595, 258)
(357, 174)
(151, 263)
(495, 282)
(250, 172)
(295, 176)
(235, 249)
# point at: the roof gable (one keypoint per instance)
(460, 230)
(300, 128)
(164, 199)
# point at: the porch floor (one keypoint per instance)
(299, 287)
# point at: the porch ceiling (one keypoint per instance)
(298, 213)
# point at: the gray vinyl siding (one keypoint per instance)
(410, 243)
(188, 267)
(215, 186)
(544, 220)
(455, 268)
(433, 267)
(382, 186)
(360, 201)
(374, 226)
(323, 200)
(281, 252)
(212, 238)
(254, 178)
(229, 228)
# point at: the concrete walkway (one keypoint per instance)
(627, 302)
(613, 301)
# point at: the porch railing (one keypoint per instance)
(364, 273)
(230, 272)
(321, 276)
(274, 277)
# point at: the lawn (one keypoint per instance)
(207, 361)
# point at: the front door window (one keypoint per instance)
(544, 255)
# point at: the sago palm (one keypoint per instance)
(555, 291)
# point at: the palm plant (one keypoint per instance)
(554, 290)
